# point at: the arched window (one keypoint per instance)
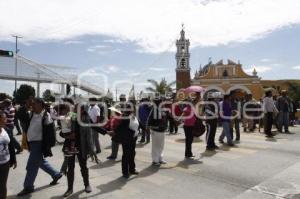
(225, 73)
(182, 63)
(182, 49)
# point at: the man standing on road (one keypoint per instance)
(283, 105)
(114, 143)
(235, 104)
(157, 123)
(39, 130)
(94, 113)
(226, 118)
(143, 114)
(211, 113)
(269, 110)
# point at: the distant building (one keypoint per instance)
(219, 77)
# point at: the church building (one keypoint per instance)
(215, 77)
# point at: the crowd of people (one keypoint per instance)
(80, 124)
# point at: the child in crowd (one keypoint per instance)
(66, 117)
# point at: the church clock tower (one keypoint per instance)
(183, 78)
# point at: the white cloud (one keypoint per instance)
(265, 60)
(276, 64)
(296, 67)
(259, 69)
(103, 49)
(112, 68)
(114, 41)
(157, 69)
(152, 25)
(133, 74)
(73, 42)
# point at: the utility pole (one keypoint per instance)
(38, 84)
(16, 60)
(116, 94)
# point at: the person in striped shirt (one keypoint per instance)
(9, 111)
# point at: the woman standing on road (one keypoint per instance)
(7, 156)
(79, 132)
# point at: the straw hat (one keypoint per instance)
(114, 109)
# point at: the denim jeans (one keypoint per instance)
(226, 132)
(283, 120)
(36, 161)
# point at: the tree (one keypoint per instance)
(48, 95)
(294, 92)
(161, 87)
(23, 93)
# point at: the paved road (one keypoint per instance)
(256, 168)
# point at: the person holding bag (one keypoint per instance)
(126, 134)
(188, 126)
(193, 126)
(82, 144)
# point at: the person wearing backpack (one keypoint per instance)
(157, 122)
(41, 137)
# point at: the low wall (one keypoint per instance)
(298, 114)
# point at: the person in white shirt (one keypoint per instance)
(269, 110)
(94, 114)
(40, 119)
(7, 156)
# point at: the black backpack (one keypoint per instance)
(158, 120)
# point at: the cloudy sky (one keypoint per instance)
(131, 41)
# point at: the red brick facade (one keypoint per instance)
(183, 79)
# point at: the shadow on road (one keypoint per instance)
(141, 145)
(148, 171)
(182, 140)
(111, 186)
(208, 153)
(29, 195)
(273, 139)
(107, 163)
(185, 164)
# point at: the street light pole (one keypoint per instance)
(116, 94)
(38, 84)
(16, 60)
